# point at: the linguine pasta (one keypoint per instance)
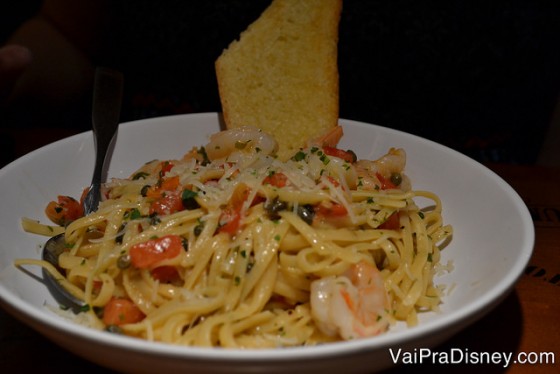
(231, 247)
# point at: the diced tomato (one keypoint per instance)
(330, 214)
(65, 210)
(347, 156)
(167, 204)
(230, 220)
(165, 274)
(121, 311)
(147, 254)
(167, 198)
(276, 180)
(169, 184)
(97, 285)
(331, 210)
(386, 183)
(165, 185)
(257, 200)
(231, 215)
(166, 166)
(392, 223)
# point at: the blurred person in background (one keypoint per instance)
(481, 77)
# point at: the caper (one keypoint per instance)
(154, 219)
(396, 179)
(306, 213)
(123, 262)
(275, 206)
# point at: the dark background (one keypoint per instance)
(482, 77)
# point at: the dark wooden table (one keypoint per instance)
(527, 322)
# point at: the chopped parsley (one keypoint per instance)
(205, 159)
(132, 214)
(299, 156)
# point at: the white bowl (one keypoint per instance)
(492, 243)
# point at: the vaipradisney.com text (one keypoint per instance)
(464, 356)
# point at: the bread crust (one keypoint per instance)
(281, 75)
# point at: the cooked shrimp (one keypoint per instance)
(351, 305)
(392, 162)
(246, 139)
(387, 167)
(328, 139)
